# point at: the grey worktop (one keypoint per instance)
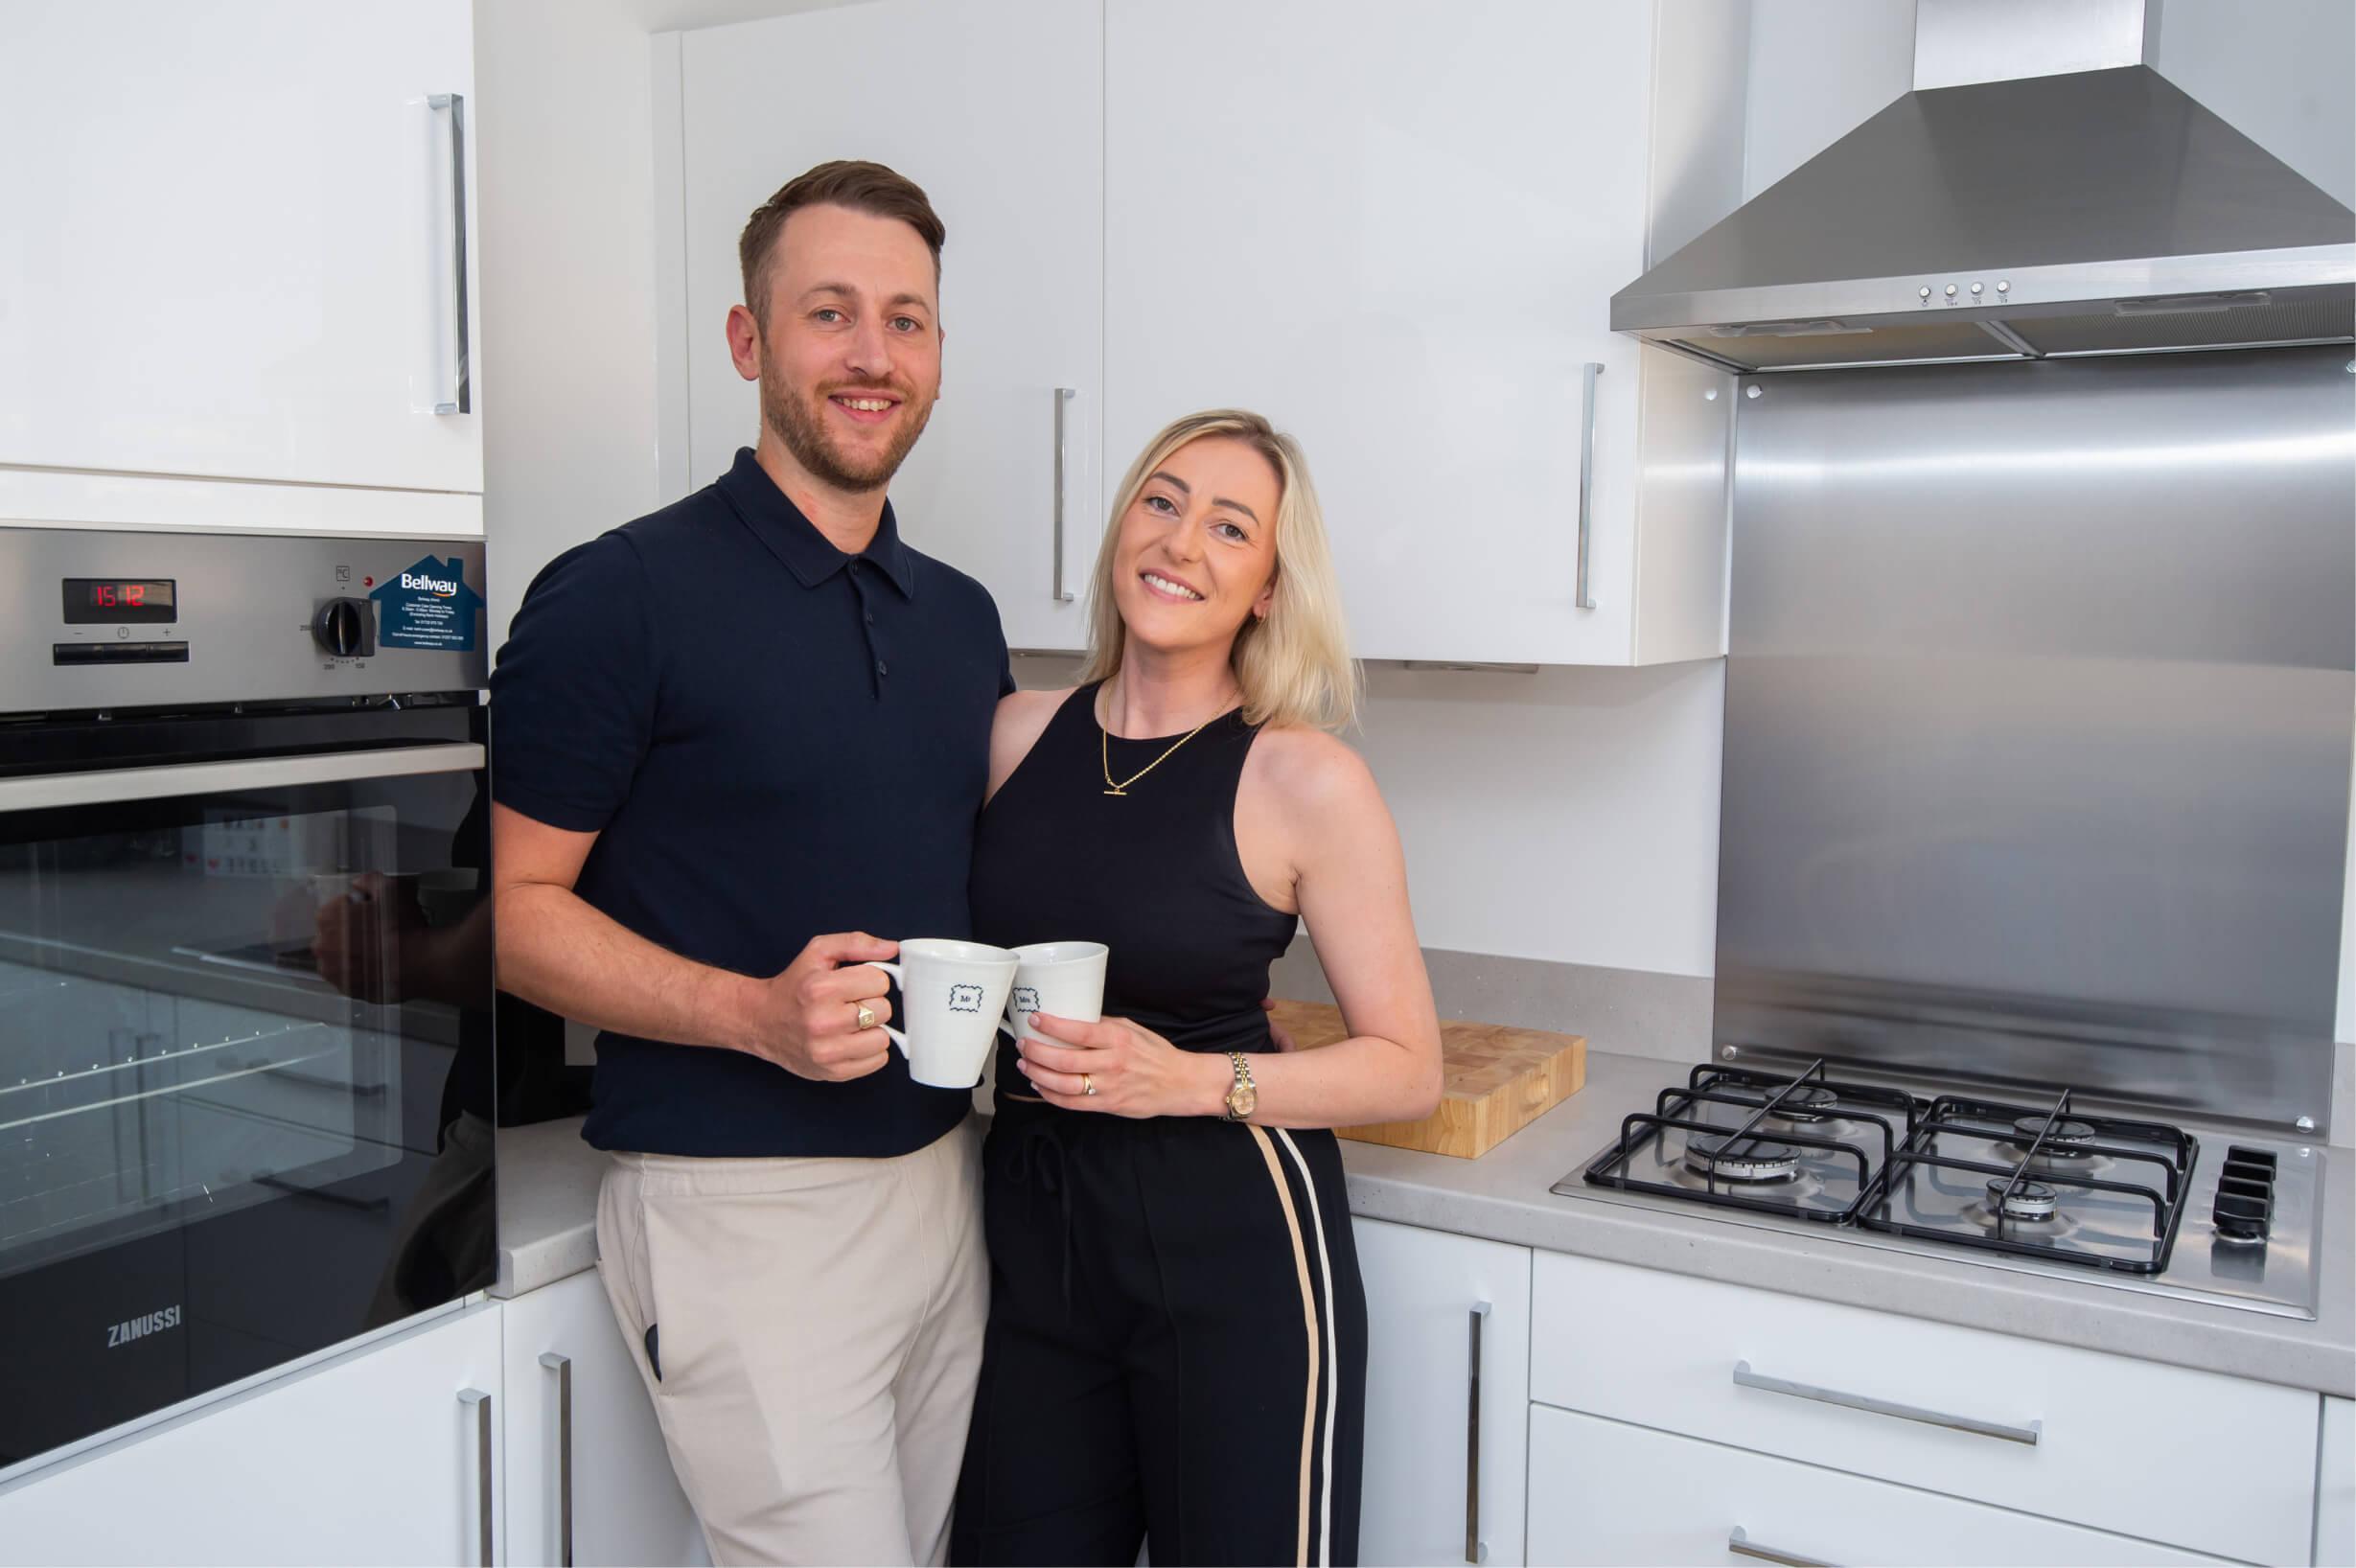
(548, 1201)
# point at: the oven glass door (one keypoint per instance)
(244, 1071)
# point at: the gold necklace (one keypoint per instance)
(1104, 748)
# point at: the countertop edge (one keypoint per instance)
(548, 1182)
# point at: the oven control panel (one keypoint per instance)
(106, 618)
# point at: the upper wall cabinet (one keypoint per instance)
(996, 110)
(236, 247)
(1394, 228)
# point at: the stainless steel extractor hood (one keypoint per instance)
(2014, 205)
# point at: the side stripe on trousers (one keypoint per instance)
(1320, 1342)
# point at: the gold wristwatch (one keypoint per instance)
(1242, 1097)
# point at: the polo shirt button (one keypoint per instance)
(881, 668)
(871, 617)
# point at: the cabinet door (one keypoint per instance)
(1396, 230)
(624, 1500)
(231, 246)
(1611, 1493)
(1447, 1322)
(372, 1458)
(997, 112)
(2047, 1429)
(2335, 1496)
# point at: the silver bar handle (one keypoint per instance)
(1063, 401)
(479, 1402)
(1588, 372)
(461, 398)
(1740, 1544)
(1744, 1377)
(562, 1366)
(38, 792)
(1476, 1549)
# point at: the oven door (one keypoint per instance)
(246, 1074)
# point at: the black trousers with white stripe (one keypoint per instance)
(1176, 1349)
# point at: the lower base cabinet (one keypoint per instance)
(598, 1470)
(1602, 1492)
(386, 1455)
(2335, 1493)
(1447, 1334)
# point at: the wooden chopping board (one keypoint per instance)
(1499, 1081)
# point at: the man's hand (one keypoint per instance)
(806, 1017)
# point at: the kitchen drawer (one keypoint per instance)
(2200, 1461)
(1606, 1493)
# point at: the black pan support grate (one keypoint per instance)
(2166, 1152)
(1764, 1096)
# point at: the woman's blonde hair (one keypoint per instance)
(1293, 666)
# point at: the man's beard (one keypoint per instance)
(801, 424)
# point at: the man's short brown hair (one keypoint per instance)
(862, 187)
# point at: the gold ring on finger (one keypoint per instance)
(1088, 1083)
(867, 1016)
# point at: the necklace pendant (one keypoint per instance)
(1118, 792)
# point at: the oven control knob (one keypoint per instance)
(344, 628)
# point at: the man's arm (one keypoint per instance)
(557, 951)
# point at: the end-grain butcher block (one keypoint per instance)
(1499, 1081)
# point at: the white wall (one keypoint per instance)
(1569, 815)
(565, 158)
(2282, 73)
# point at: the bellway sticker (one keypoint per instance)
(429, 605)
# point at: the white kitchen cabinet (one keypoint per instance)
(378, 1456)
(2193, 1459)
(1396, 230)
(997, 111)
(2335, 1496)
(626, 1505)
(233, 251)
(1447, 1322)
(1606, 1493)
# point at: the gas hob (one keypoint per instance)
(2046, 1183)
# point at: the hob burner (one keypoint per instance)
(2067, 1140)
(1805, 1102)
(1753, 1161)
(2029, 1201)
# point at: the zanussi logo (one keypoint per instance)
(119, 1334)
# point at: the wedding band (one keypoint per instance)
(1088, 1084)
(867, 1016)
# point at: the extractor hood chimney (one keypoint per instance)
(2042, 191)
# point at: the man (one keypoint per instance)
(730, 740)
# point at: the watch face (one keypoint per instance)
(1242, 1098)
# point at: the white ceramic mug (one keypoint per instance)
(1062, 979)
(952, 996)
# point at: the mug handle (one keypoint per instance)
(894, 970)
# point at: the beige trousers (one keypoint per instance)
(818, 1332)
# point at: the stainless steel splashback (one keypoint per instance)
(2039, 711)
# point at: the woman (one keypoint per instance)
(1177, 1339)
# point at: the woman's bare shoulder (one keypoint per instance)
(1312, 770)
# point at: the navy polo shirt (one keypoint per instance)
(771, 739)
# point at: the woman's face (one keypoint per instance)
(1197, 556)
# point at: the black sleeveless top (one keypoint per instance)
(1154, 875)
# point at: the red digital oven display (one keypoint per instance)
(120, 601)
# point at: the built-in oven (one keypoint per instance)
(245, 1057)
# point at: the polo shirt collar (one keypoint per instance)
(794, 540)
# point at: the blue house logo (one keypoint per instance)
(429, 605)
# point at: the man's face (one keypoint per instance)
(849, 361)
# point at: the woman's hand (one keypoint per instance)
(1133, 1070)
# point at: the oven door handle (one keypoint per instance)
(42, 791)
